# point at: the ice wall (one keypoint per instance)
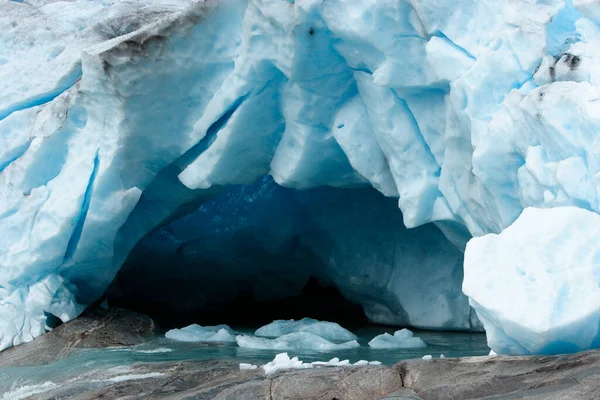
(117, 117)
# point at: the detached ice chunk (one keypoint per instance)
(535, 285)
(402, 339)
(197, 333)
(326, 330)
(283, 361)
(294, 341)
(245, 366)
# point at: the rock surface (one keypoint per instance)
(96, 328)
(500, 378)
(565, 377)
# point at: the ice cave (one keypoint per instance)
(276, 159)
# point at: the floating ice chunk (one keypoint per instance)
(442, 356)
(427, 357)
(244, 366)
(197, 333)
(296, 340)
(327, 330)
(535, 285)
(283, 361)
(361, 362)
(402, 339)
(374, 362)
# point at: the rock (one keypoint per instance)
(95, 328)
(403, 394)
(224, 381)
(565, 377)
(370, 382)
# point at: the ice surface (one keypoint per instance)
(197, 333)
(293, 341)
(535, 285)
(402, 339)
(245, 366)
(119, 117)
(327, 330)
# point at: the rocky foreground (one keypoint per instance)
(567, 377)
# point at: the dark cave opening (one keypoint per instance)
(316, 301)
(261, 252)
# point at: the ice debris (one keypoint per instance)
(327, 330)
(197, 333)
(535, 286)
(402, 339)
(294, 341)
(283, 361)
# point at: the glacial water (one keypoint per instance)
(17, 382)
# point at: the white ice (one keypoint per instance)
(282, 361)
(197, 333)
(327, 330)
(402, 339)
(535, 285)
(294, 341)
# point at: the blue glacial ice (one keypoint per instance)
(294, 341)
(118, 118)
(327, 330)
(538, 302)
(402, 339)
(197, 333)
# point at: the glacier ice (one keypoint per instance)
(402, 339)
(535, 285)
(120, 117)
(327, 330)
(197, 333)
(293, 341)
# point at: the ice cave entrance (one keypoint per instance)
(260, 252)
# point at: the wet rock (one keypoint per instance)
(96, 328)
(565, 377)
(224, 381)
(500, 378)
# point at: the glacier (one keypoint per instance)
(442, 121)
